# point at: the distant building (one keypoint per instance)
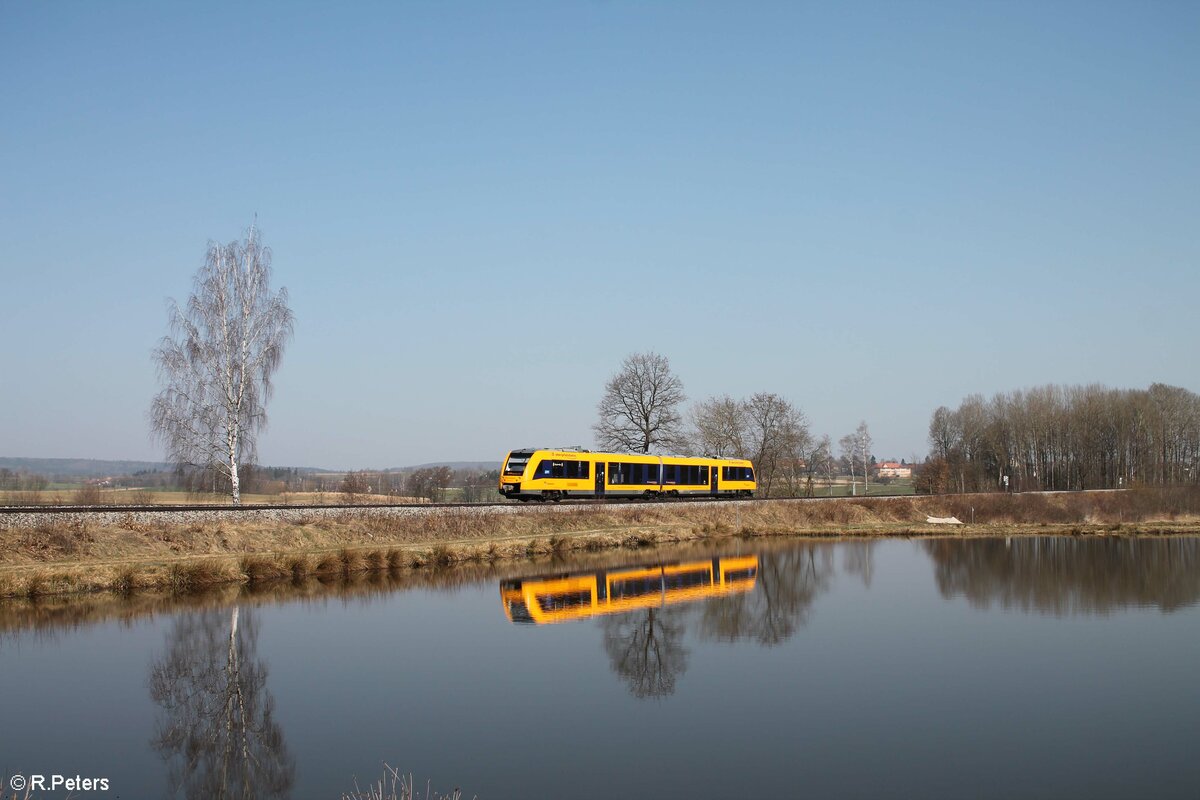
(893, 469)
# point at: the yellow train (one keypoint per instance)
(559, 474)
(558, 598)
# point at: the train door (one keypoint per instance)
(712, 485)
(599, 479)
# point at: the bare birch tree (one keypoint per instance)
(849, 450)
(216, 363)
(640, 407)
(862, 439)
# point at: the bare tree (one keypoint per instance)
(818, 460)
(216, 364)
(849, 450)
(353, 485)
(640, 407)
(441, 479)
(777, 435)
(419, 482)
(862, 438)
(719, 427)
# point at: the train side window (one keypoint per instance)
(749, 473)
(704, 474)
(542, 470)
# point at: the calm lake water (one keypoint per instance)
(1041, 667)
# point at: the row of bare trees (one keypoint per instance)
(1065, 437)
(431, 483)
(16, 480)
(768, 430)
(642, 411)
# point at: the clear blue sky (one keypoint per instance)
(480, 208)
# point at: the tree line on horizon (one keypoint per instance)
(1064, 438)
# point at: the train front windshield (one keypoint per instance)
(516, 463)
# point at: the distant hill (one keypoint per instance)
(480, 465)
(80, 467)
(93, 467)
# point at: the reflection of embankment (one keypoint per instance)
(1062, 575)
(52, 613)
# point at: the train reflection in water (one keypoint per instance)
(558, 598)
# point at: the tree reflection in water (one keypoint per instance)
(788, 583)
(216, 728)
(1061, 575)
(646, 649)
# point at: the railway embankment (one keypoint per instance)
(51, 553)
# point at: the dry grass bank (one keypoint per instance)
(177, 559)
